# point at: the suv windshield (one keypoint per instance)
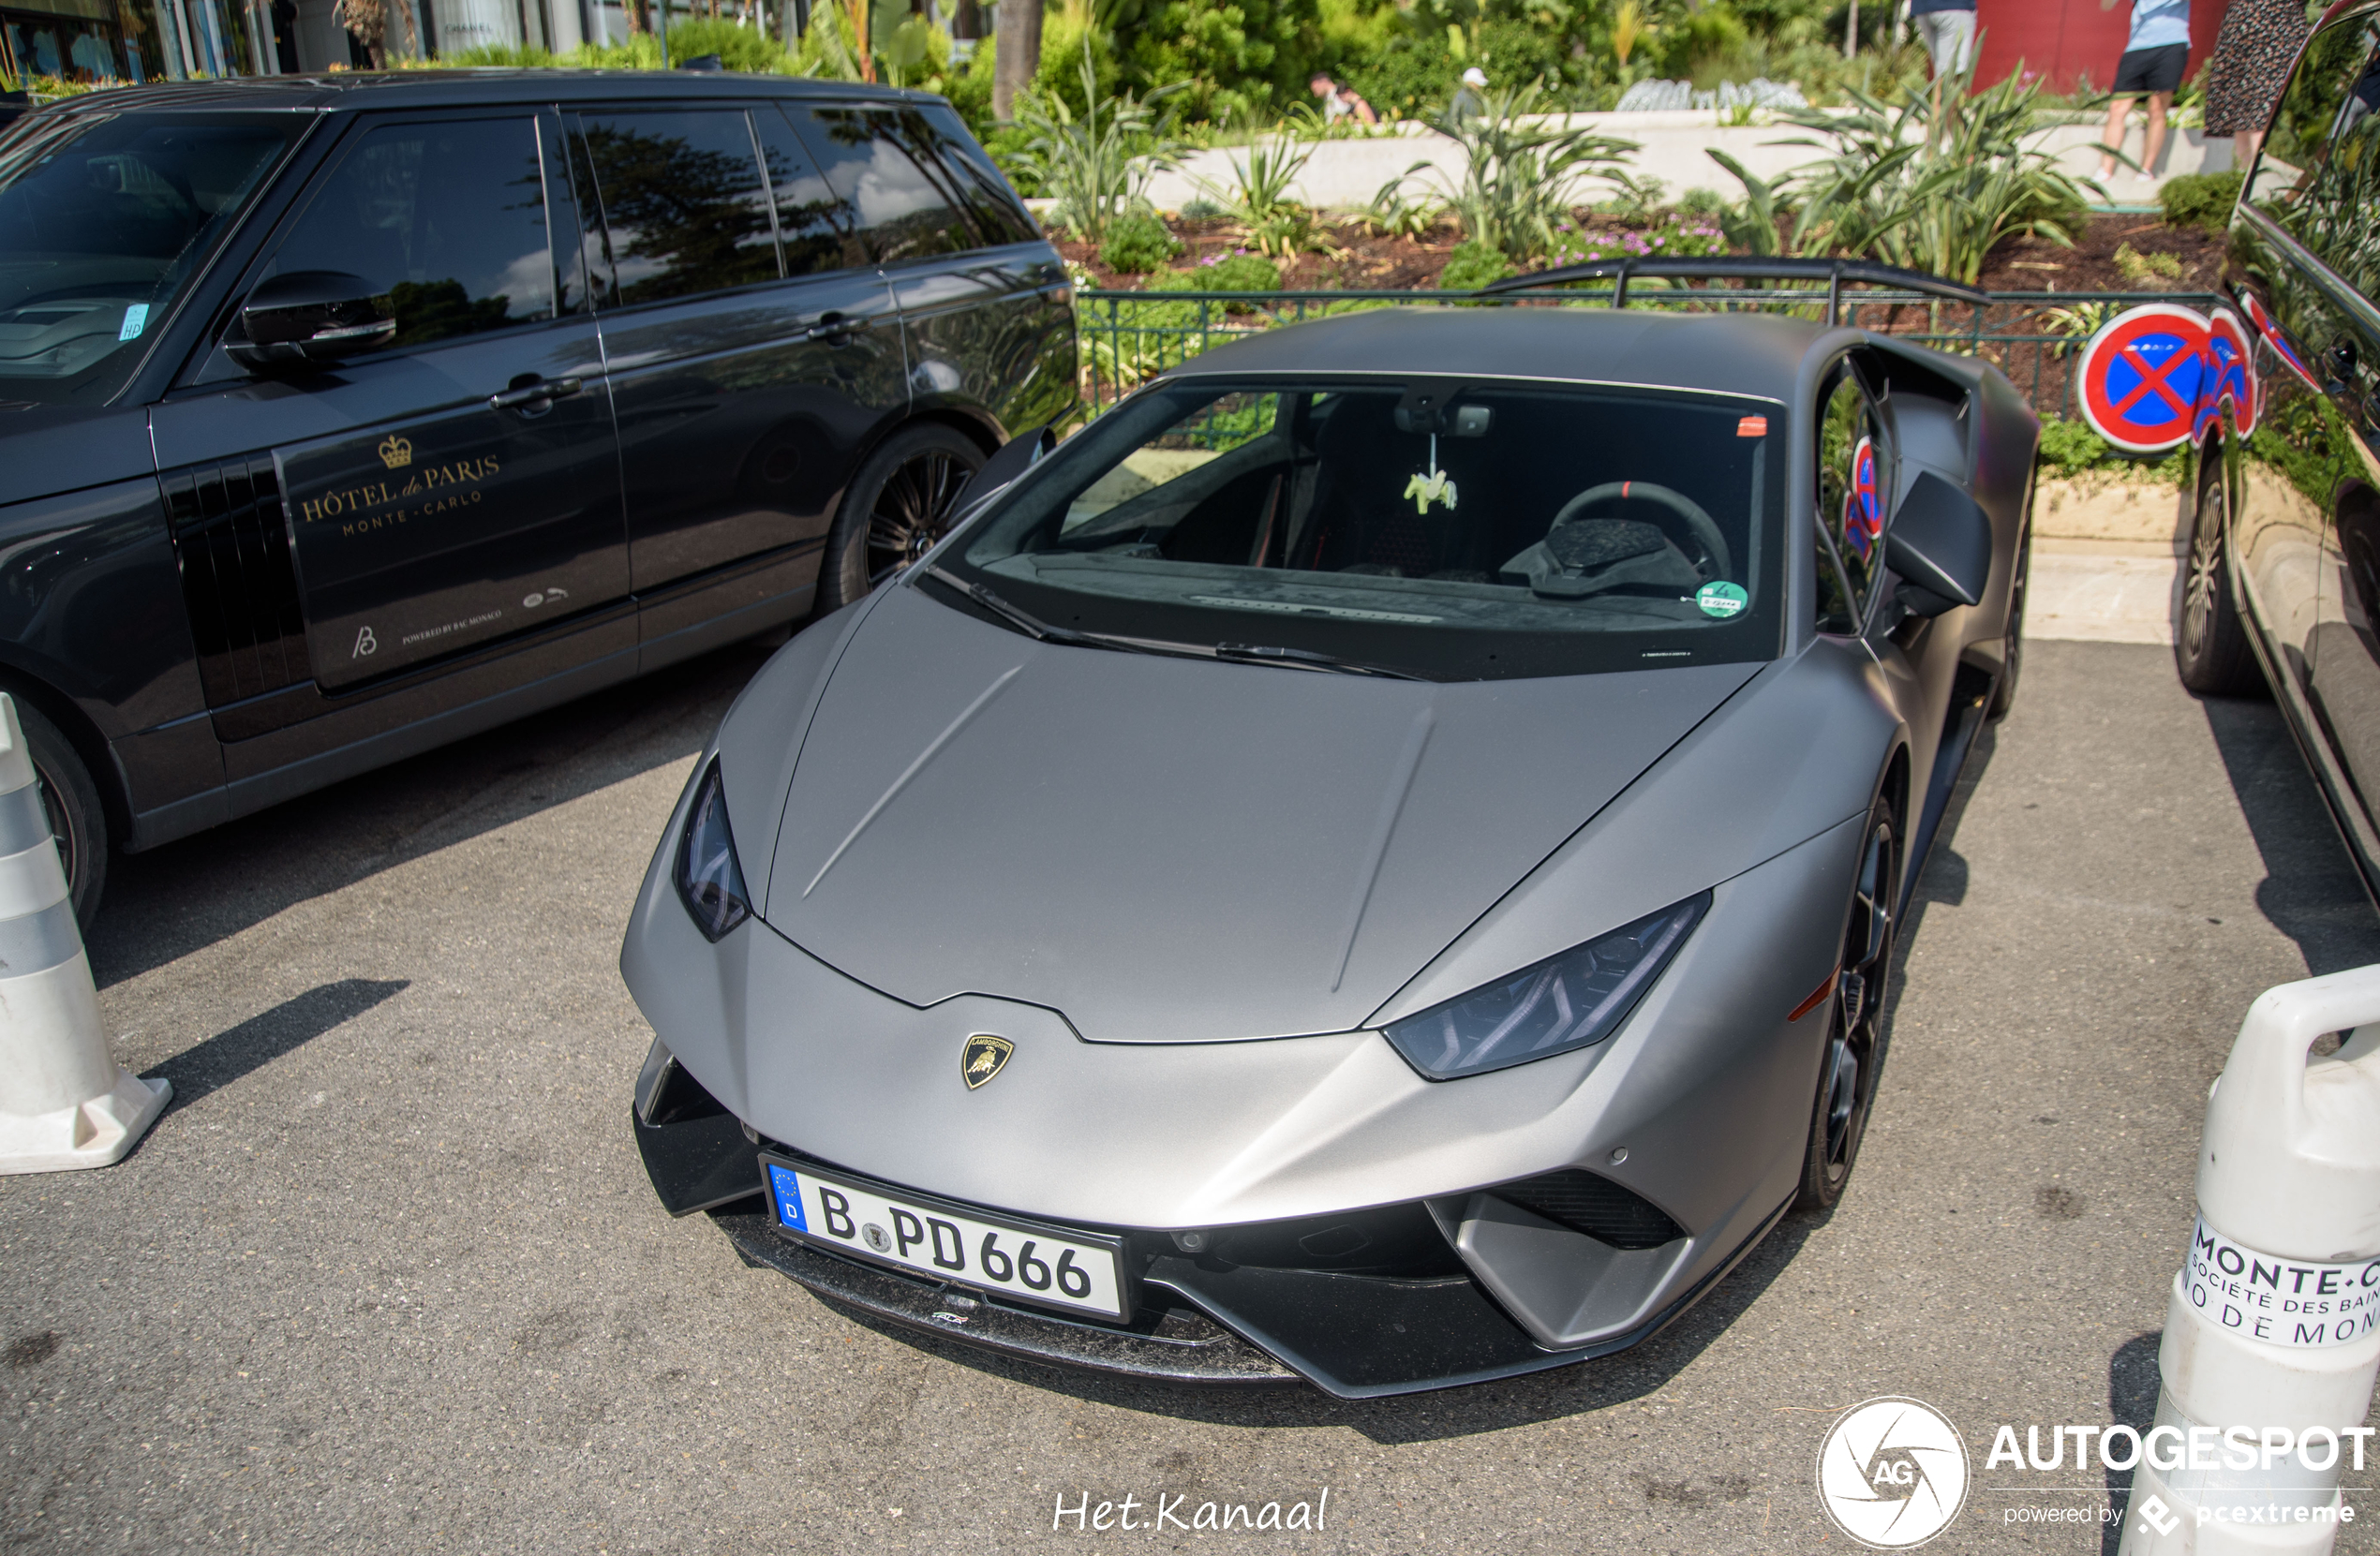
(103, 223)
(1448, 529)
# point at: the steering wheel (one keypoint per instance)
(1706, 533)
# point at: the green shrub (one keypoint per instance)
(1135, 243)
(2204, 200)
(1238, 273)
(1473, 265)
(2070, 448)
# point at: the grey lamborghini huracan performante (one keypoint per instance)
(1377, 860)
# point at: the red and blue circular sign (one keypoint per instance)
(2157, 375)
(1862, 506)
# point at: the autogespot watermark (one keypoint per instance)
(1167, 1511)
(1893, 1473)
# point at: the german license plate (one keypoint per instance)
(1061, 1268)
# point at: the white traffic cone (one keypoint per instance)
(2272, 1333)
(65, 1102)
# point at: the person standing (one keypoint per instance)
(1947, 28)
(1468, 103)
(2251, 64)
(2154, 58)
(1338, 101)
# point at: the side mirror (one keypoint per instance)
(1940, 543)
(310, 316)
(1015, 457)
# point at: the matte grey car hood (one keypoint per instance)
(1168, 849)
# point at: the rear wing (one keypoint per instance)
(1622, 268)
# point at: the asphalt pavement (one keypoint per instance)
(388, 1276)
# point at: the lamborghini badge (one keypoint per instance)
(981, 1058)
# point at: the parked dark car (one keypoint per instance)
(342, 417)
(2283, 572)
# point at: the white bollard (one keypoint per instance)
(65, 1102)
(2273, 1332)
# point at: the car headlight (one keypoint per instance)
(709, 881)
(1563, 1003)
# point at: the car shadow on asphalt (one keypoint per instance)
(2311, 892)
(165, 904)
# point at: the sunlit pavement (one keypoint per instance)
(388, 1276)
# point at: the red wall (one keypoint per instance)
(2063, 38)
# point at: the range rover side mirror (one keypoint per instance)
(309, 315)
(1015, 457)
(1940, 543)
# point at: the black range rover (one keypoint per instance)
(342, 417)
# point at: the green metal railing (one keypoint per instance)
(2032, 336)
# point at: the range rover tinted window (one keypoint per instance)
(448, 217)
(902, 212)
(811, 223)
(2316, 175)
(973, 174)
(684, 207)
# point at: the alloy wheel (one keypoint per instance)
(913, 511)
(2198, 588)
(1855, 1043)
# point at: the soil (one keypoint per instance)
(1363, 259)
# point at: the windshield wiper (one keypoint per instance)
(1015, 615)
(1306, 659)
(1039, 631)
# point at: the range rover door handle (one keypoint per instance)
(532, 394)
(834, 327)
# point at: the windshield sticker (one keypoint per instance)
(136, 319)
(1752, 427)
(1432, 487)
(1290, 607)
(1721, 599)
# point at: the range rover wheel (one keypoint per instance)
(2210, 646)
(77, 819)
(897, 507)
(1847, 1072)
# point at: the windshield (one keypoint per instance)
(103, 223)
(1450, 530)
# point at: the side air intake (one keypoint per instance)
(1595, 1206)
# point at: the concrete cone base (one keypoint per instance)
(95, 1134)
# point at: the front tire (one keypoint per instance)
(1854, 1052)
(78, 819)
(2211, 648)
(898, 505)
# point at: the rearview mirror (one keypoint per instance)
(1015, 457)
(1940, 543)
(310, 316)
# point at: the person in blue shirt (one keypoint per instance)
(2154, 58)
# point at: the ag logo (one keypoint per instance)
(1892, 1473)
(980, 1058)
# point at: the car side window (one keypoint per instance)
(447, 217)
(812, 227)
(976, 177)
(2315, 176)
(685, 210)
(1854, 480)
(902, 212)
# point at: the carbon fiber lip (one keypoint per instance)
(1177, 1344)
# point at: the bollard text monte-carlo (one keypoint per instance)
(344, 417)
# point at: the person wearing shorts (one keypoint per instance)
(2154, 58)
(1948, 29)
